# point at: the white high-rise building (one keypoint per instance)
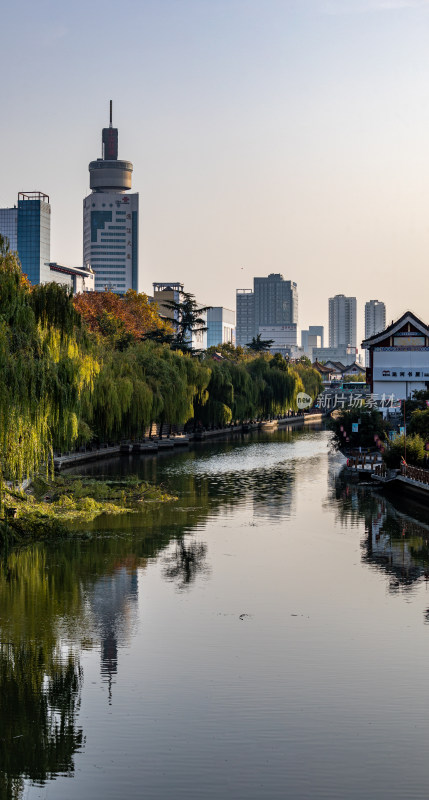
(110, 220)
(342, 321)
(375, 321)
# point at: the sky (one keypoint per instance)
(267, 136)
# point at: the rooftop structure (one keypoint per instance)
(108, 173)
(78, 279)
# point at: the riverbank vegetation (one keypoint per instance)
(374, 432)
(410, 448)
(46, 508)
(100, 368)
(245, 387)
(357, 427)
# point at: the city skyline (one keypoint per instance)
(285, 138)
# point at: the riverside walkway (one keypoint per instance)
(155, 444)
(408, 480)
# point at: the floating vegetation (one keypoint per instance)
(47, 507)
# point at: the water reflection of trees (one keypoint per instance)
(39, 698)
(52, 596)
(40, 679)
(184, 562)
(395, 542)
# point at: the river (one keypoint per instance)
(265, 636)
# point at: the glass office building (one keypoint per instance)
(9, 226)
(34, 235)
(28, 230)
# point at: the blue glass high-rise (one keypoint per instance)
(34, 235)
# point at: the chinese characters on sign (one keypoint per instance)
(342, 400)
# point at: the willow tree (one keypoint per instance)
(216, 408)
(311, 378)
(231, 394)
(145, 383)
(44, 366)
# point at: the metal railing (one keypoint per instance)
(415, 473)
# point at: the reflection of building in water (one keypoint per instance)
(395, 543)
(113, 601)
(398, 545)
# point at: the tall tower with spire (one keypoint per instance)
(110, 219)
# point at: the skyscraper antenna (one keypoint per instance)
(111, 113)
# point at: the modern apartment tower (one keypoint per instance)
(27, 227)
(110, 219)
(342, 321)
(273, 303)
(375, 321)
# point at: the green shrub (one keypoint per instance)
(419, 423)
(372, 428)
(413, 449)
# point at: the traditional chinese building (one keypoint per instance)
(326, 372)
(354, 369)
(399, 358)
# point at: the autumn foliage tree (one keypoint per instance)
(122, 318)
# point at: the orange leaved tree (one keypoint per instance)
(122, 318)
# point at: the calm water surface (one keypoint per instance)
(265, 636)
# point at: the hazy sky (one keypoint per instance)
(283, 136)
